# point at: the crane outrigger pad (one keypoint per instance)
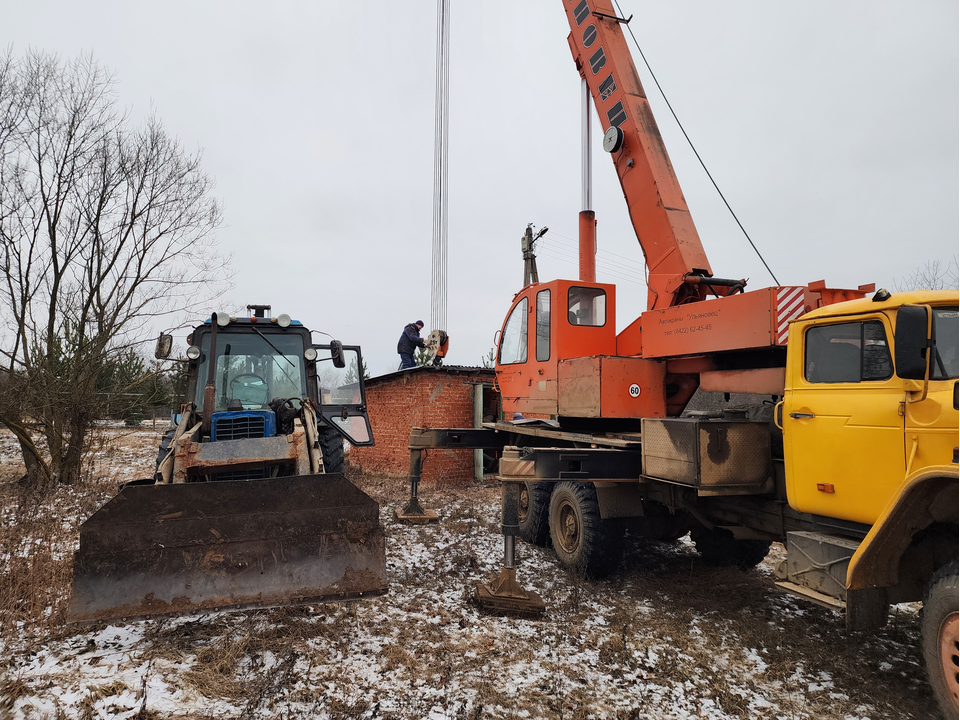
(504, 596)
(156, 550)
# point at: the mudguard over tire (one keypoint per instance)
(582, 540)
(719, 547)
(939, 625)
(535, 513)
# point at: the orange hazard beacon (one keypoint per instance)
(699, 330)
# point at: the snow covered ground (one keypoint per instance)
(664, 637)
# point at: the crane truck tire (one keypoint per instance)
(939, 625)
(718, 546)
(535, 513)
(331, 446)
(582, 540)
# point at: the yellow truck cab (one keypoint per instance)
(857, 424)
(869, 419)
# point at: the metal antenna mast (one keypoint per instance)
(438, 282)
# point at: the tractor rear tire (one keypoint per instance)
(331, 446)
(535, 512)
(719, 547)
(939, 626)
(583, 541)
(165, 442)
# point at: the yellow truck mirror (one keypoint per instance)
(910, 350)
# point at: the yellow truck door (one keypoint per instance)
(931, 422)
(842, 420)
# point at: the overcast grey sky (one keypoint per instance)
(831, 126)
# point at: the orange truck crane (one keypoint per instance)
(843, 447)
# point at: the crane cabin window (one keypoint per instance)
(587, 306)
(847, 353)
(513, 342)
(543, 325)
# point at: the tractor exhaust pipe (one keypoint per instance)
(210, 389)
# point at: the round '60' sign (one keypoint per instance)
(634, 390)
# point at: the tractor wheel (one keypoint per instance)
(583, 542)
(331, 446)
(535, 512)
(162, 452)
(720, 547)
(939, 624)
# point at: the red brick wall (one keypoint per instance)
(428, 398)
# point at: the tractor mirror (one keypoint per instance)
(164, 346)
(911, 342)
(336, 354)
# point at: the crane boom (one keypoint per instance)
(559, 351)
(658, 210)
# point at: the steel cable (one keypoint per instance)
(690, 143)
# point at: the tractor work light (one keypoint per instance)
(223, 319)
(284, 320)
(193, 352)
(310, 354)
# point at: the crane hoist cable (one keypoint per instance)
(690, 143)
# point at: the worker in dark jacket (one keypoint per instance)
(410, 340)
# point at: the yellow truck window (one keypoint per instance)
(945, 360)
(847, 353)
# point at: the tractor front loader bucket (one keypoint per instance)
(157, 550)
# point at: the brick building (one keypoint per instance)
(427, 397)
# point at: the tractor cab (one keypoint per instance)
(263, 370)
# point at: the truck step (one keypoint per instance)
(812, 595)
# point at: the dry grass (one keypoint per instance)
(664, 630)
(39, 531)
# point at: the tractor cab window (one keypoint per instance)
(513, 342)
(944, 365)
(250, 370)
(586, 306)
(847, 353)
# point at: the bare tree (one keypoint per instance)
(935, 275)
(102, 227)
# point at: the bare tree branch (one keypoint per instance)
(935, 275)
(103, 227)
